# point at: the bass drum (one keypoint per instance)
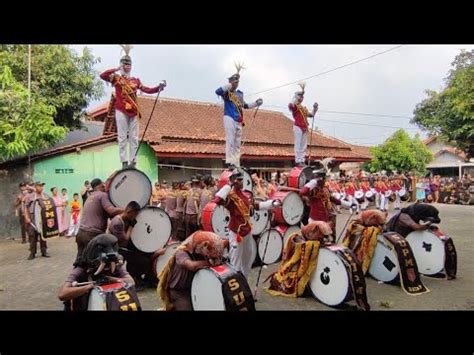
(160, 262)
(292, 208)
(329, 283)
(97, 297)
(299, 176)
(428, 250)
(224, 180)
(215, 218)
(286, 231)
(128, 185)
(384, 265)
(152, 231)
(270, 247)
(259, 221)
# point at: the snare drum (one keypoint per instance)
(224, 180)
(402, 192)
(370, 196)
(270, 246)
(336, 195)
(384, 265)
(292, 208)
(259, 221)
(160, 262)
(286, 231)
(428, 250)
(359, 195)
(299, 176)
(152, 230)
(221, 288)
(329, 283)
(98, 298)
(215, 218)
(128, 185)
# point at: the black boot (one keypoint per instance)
(45, 254)
(31, 257)
(124, 164)
(133, 165)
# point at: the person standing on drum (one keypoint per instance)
(96, 211)
(300, 128)
(127, 111)
(234, 116)
(239, 204)
(33, 234)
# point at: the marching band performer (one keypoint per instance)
(395, 186)
(350, 189)
(300, 128)
(364, 186)
(239, 204)
(234, 116)
(381, 188)
(127, 111)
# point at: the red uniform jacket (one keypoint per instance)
(236, 218)
(300, 114)
(319, 211)
(126, 91)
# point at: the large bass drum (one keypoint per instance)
(215, 218)
(270, 246)
(299, 176)
(292, 208)
(152, 231)
(160, 262)
(384, 265)
(259, 221)
(128, 185)
(428, 250)
(224, 180)
(221, 288)
(286, 231)
(98, 298)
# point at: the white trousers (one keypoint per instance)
(396, 203)
(377, 200)
(240, 253)
(233, 138)
(127, 127)
(301, 144)
(383, 202)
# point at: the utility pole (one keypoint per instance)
(29, 73)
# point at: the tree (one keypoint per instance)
(450, 113)
(400, 152)
(24, 127)
(61, 77)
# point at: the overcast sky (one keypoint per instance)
(389, 84)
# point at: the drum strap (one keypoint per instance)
(362, 241)
(295, 270)
(123, 299)
(50, 225)
(409, 276)
(237, 293)
(356, 278)
(451, 258)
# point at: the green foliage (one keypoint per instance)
(62, 78)
(400, 153)
(24, 127)
(450, 113)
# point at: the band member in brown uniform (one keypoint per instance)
(192, 207)
(33, 235)
(180, 205)
(171, 203)
(95, 213)
(239, 204)
(20, 210)
(206, 195)
(127, 111)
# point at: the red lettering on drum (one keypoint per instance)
(239, 298)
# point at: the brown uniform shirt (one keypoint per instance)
(193, 196)
(171, 202)
(94, 217)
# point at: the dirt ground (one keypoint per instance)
(33, 285)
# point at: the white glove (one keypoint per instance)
(276, 203)
(266, 205)
(222, 193)
(226, 87)
(312, 184)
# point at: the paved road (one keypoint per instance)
(33, 285)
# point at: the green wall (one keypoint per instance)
(99, 161)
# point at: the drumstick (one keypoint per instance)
(286, 188)
(263, 257)
(77, 284)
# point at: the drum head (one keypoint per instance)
(220, 220)
(130, 185)
(247, 183)
(163, 259)
(384, 265)
(274, 248)
(329, 283)
(293, 208)
(96, 301)
(305, 176)
(206, 292)
(402, 192)
(288, 232)
(38, 219)
(259, 221)
(152, 230)
(428, 251)
(358, 195)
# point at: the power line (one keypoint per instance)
(364, 124)
(327, 71)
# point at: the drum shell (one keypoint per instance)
(97, 296)
(278, 215)
(207, 219)
(225, 178)
(299, 176)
